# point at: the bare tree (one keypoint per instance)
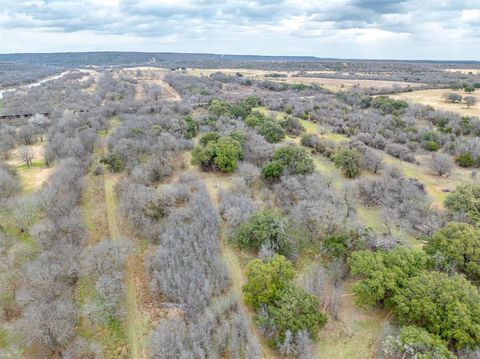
(442, 164)
(26, 134)
(26, 154)
(372, 160)
(470, 101)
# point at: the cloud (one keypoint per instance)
(277, 26)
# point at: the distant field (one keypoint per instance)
(435, 98)
(338, 84)
(292, 77)
(465, 71)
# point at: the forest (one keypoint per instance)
(238, 208)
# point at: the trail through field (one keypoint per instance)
(214, 183)
(152, 76)
(135, 323)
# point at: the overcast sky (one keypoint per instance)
(411, 29)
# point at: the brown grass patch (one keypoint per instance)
(435, 99)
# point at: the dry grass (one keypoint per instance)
(292, 77)
(435, 99)
(344, 84)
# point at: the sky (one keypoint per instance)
(374, 29)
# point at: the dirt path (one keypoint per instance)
(213, 185)
(135, 323)
(174, 95)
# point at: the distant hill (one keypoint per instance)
(178, 60)
(72, 59)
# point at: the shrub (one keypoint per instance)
(387, 105)
(273, 170)
(348, 159)
(265, 227)
(431, 146)
(465, 159)
(272, 131)
(114, 162)
(292, 126)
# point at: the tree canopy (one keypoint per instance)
(384, 273)
(456, 247)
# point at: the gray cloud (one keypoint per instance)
(212, 24)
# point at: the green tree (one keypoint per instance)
(191, 127)
(223, 152)
(255, 119)
(469, 89)
(209, 137)
(218, 108)
(227, 152)
(265, 227)
(266, 280)
(271, 131)
(465, 200)
(295, 310)
(295, 159)
(203, 156)
(415, 342)
(445, 306)
(384, 273)
(348, 159)
(457, 245)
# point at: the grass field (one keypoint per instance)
(293, 77)
(435, 99)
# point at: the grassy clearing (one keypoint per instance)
(32, 178)
(435, 98)
(435, 185)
